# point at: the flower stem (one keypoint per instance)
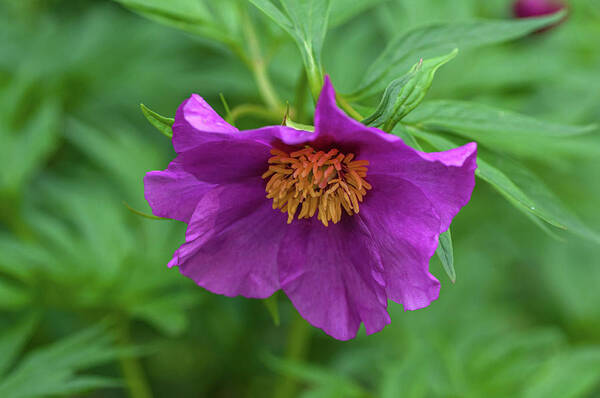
(132, 370)
(255, 110)
(348, 108)
(297, 347)
(300, 97)
(258, 64)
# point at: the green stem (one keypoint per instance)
(300, 97)
(255, 110)
(132, 370)
(297, 348)
(315, 77)
(258, 64)
(348, 108)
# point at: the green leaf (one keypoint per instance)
(316, 375)
(496, 128)
(481, 121)
(267, 7)
(13, 297)
(162, 124)
(13, 339)
(142, 214)
(547, 205)
(53, 370)
(26, 148)
(189, 15)
(344, 10)
(185, 10)
(406, 93)
(521, 187)
(306, 21)
(445, 253)
(272, 305)
(435, 40)
(166, 313)
(298, 126)
(570, 375)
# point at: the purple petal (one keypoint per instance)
(333, 126)
(278, 136)
(332, 276)
(196, 122)
(174, 193)
(226, 161)
(232, 242)
(405, 228)
(446, 178)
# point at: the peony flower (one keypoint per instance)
(341, 219)
(536, 8)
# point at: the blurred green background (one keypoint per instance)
(89, 308)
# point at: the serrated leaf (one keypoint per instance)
(435, 40)
(445, 253)
(161, 123)
(521, 187)
(406, 93)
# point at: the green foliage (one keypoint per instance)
(162, 124)
(435, 40)
(406, 93)
(189, 15)
(521, 187)
(522, 319)
(498, 128)
(445, 252)
(306, 21)
(52, 370)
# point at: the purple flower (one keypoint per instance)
(536, 8)
(341, 219)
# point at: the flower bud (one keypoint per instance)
(535, 8)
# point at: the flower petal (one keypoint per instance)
(232, 242)
(333, 126)
(332, 276)
(226, 161)
(174, 193)
(446, 178)
(196, 122)
(405, 228)
(278, 136)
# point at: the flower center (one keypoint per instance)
(315, 180)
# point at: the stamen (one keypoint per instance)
(306, 181)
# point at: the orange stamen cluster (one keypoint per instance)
(315, 180)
